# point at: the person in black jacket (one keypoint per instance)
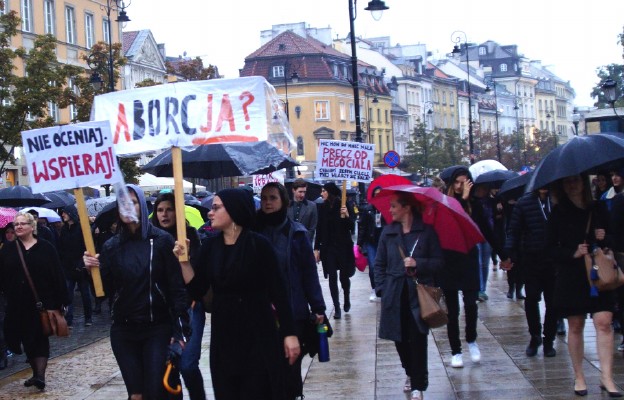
(334, 245)
(296, 260)
(526, 245)
(370, 225)
(150, 310)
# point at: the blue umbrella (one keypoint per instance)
(21, 196)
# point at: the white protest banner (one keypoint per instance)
(70, 156)
(341, 160)
(260, 180)
(186, 114)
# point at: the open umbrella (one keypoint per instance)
(456, 230)
(46, 213)
(384, 181)
(312, 193)
(581, 154)
(514, 187)
(483, 166)
(95, 205)
(223, 159)
(448, 172)
(7, 215)
(495, 177)
(21, 196)
(59, 199)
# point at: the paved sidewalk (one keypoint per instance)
(361, 367)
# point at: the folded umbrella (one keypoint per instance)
(456, 230)
(581, 154)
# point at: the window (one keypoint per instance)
(378, 115)
(482, 51)
(53, 111)
(345, 71)
(321, 110)
(27, 16)
(343, 112)
(386, 112)
(351, 112)
(106, 31)
(73, 110)
(4, 8)
(335, 70)
(503, 67)
(70, 25)
(48, 17)
(278, 71)
(89, 31)
(370, 114)
(300, 149)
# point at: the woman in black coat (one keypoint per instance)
(575, 225)
(252, 322)
(334, 244)
(461, 273)
(22, 326)
(407, 248)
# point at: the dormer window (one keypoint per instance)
(503, 67)
(482, 51)
(335, 69)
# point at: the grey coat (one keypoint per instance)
(390, 276)
(308, 216)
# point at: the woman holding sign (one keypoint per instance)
(334, 244)
(150, 310)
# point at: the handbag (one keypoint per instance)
(53, 322)
(603, 272)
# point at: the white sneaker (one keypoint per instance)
(475, 354)
(456, 361)
(373, 296)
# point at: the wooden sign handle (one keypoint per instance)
(343, 199)
(178, 192)
(85, 225)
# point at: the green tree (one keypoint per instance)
(611, 71)
(191, 69)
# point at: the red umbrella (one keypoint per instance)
(454, 227)
(7, 215)
(384, 181)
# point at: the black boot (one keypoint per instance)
(347, 302)
(531, 350)
(337, 314)
(561, 330)
(549, 349)
(519, 295)
(510, 292)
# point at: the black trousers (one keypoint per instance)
(539, 276)
(472, 314)
(412, 348)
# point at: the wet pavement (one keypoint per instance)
(361, 367)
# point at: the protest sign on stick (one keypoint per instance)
(71, 157)
(340, 160)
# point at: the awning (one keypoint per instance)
(387, 170)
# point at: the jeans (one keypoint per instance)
(85, 294)
(189, 363)
(371, 254)
(485, 257)
(472, 314)
(141, 353)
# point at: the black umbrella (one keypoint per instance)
(581, 154)
(224, 159)
(59, 199)
(21, 196)
(448, 172)
(495, 177)
(313, 190)
(514, 187)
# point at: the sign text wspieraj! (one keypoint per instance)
(70, 156)
(345, 160)
(185, 114)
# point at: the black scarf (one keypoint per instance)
(272, 219)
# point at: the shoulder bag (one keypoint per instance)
(603, 272)
(52, 321)
(431, 301)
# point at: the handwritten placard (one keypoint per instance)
(260, 180)
(340, 160)
(70, 156)
(185, 114)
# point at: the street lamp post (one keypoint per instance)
(498, 144)
(427, 110)
(609, 88)
(576, 118)
(548, 117)
(456, 37)
(368, 113)
(376, 7)
(294, 78)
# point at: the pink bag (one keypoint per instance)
(360, 259)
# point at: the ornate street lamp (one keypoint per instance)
(487, 90)
(576, 118)
(427, 111)
(609, 88)
(456, 37)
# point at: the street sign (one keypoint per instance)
(392, 159)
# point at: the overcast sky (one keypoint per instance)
(574, 38)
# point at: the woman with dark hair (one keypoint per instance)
(252, 322)
(334, 244)
(164, 217)
(575, 225)
(296, 260)
(602, 184)
(461, 273)
(22, 327)
(150, 310)
(408, 248)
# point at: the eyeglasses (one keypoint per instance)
(21, 224)
(216, 207)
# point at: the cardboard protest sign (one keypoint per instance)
(260, 180)
(70, 156)
(186, 114)
(340, 160)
